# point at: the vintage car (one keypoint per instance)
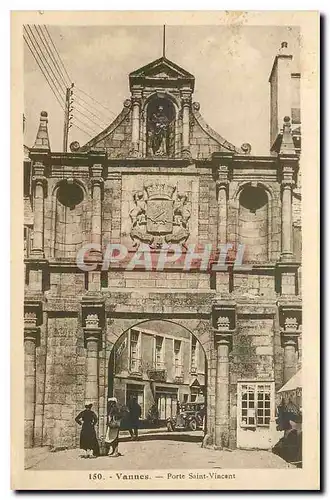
(190, 417)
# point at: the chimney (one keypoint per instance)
(280, 91)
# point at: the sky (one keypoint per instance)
(231, 65)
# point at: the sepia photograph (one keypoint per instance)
(162, 191)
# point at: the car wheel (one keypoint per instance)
(193, 425)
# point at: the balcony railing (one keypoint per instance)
(135, 366)
(158, 372)
(178, 373)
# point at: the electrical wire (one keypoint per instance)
(84, 131)
(97, 102)
(45, 73)
(43, 38)
(106, 119)
(42, 57)
(88, 118)
(58, 55)
(86, 125)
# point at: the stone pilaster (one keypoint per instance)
(97, 186)
(287, 243)
(92, 332)
(31, 339)
(186, 103)
(224, 322)
(93, 320)
(288, 164)
(222, 197)
(290, 324)
(136, 110)
(39, 185)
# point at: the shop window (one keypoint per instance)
(167, 400)
(255, 404)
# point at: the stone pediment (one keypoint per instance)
(161, 69)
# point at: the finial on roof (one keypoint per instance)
(42, 139)
(287, 144)
(284, 49)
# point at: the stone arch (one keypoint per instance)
(116, 328)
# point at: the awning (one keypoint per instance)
(293, 384)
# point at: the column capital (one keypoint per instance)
(287, 184)
(136, 99)
(32, 312)
(92, 335)
(224, 338)
(289, 340)
(96, 171)
(222, 184)
(93, 311)
(185, 99)
(39, 180)
(224, 323)
(38, 168)
(31, 330)
(97, 181)
(32, 334)
(288, 171)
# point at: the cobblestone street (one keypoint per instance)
(156, 450)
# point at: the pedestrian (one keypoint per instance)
(114, 416)
(134, 415)
(88, 440)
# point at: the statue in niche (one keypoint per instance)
(159, 127)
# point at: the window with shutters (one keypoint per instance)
(159, 352)
(135, 359)
(178, 368)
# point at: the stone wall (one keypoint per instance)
(64, 380)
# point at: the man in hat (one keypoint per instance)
(134, 417)
(88, 440)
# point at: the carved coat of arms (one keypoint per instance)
(160, 215)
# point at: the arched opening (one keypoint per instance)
(160, 128)
(253, 224)
(163, 366)
(69, 215)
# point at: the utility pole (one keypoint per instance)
(67, 116)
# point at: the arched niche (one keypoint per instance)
(160, 126)
(253, 227)
(69, 219)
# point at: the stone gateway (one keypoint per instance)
(159, 174)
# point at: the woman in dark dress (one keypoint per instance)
(88, 440)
